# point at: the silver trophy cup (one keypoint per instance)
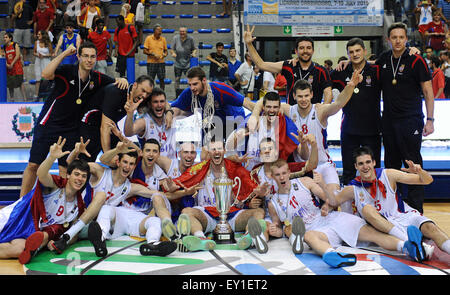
(223, 186)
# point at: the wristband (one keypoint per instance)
(171, 111)
(430, 119)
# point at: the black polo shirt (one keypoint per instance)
(317, 75)
(405, 98)
(63, 108)
(362, 114)
(109, 101)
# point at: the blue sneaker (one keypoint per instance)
(414, 244)
(337, 259)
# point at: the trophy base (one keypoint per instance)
(224, 238)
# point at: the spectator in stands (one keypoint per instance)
(218, 69)
(14, 69)
(127, 15)
(233, 65)
(445, 67)
(125, 41)
(85, 20)
(43, 20)
(423, 12)
(73, 9)
(155, 46)
(22, 18)
(435, 31)
(52, 5)
(245, 73)
(427, 56)
(256, 84)
(182, 49)
(280, 85)
(105, 5)
(43, 50)
(66, 39)
(268, 83)
(139, 20)
(328, 64)
(226, 7)
(101, 38)
(444, 8)
(438, 80)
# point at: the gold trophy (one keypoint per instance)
(222, 187)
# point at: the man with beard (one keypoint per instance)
(301, 68)
(152, 124)
(45, 213)
(313, 119)
(108, 197)
(107, 108)
(204, 216)
(74, 86)
(272, 124)
(218, 103)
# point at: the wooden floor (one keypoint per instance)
(439, 212)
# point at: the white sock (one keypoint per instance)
(75, 229)
(153, 227)
(400, 246)
(199, 234)
(397, 232)
(446, 246)
(104, 218)
(329, 250)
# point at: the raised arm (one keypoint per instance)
(55, 153)
(48, 73)
(274, 67)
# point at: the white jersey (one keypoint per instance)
(262, 178)
(255, 138)
(311, 125)
(165, 136)
(152, 181)
(174, 170)
(58, 209)
(389, 207)
(338, 226)
(280, 203)
(205, 196)
(114, 194)
(302, 203)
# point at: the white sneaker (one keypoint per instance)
(428, 251)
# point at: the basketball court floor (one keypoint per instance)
(124, 257)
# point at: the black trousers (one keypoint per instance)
(402, 140)
(349, 143)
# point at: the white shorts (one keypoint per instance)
(127, 222)
(339, 227)
(212, 222)
(329, 172)
(403, 220)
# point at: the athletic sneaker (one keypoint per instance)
(95, 236)
(428, 251)
(256, 232)
(183, 225)
(158, 248)
(194, 243)
(414, 245)
(244, 242)
(168, 229)
(61, 244)
(32, 245)
(337, 259)
(298, 230)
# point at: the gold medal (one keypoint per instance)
(394, 81)
(79, 101)
(287, 223)
(356, 90)
(66, 224)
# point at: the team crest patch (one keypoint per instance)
(310, 79)
(23, 123)
(91, 85)
(295, 186)
(368, 80)
(402, 67)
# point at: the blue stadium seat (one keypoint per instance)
(113, 15)
(204, 16)
(186, 15)
(169, 63)
(109, 63)
(202, 2)
(169, 2)
(186, 2)
(222, 16)
(168, 31)
(190, 31)
(167, 81)
(111, 31)
(147, 31)
(204, 63)
(26, 63)
(226, 46)
(116, 2)
(32, 82)
(224, 30)
(205, 31)
(154, 2)
(183, 81)
(205, 46)
(142, 63)
(168, 16)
